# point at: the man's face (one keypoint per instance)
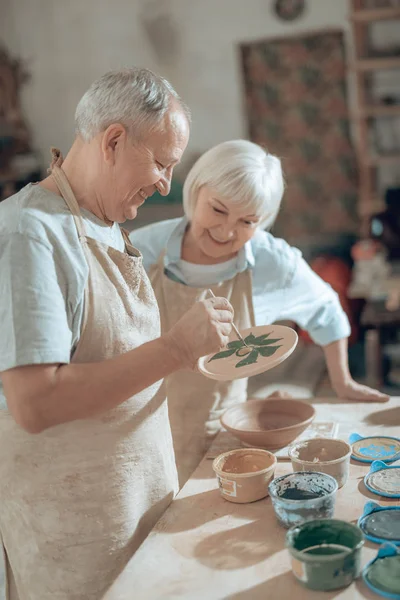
(130, 171)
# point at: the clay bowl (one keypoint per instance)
(268, 424)
(244, 475)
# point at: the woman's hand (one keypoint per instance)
(351, 390)
(336, 357)
(204, 329)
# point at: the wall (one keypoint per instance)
(209, 74)
(68, 44)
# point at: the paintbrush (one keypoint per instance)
(236, 330)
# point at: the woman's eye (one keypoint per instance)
(160, 166)
(217, 210)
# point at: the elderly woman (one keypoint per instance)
(232, 193)
(87, 464)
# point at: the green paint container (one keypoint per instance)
(326, 553)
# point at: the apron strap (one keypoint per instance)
(129, 248)
(66, 191)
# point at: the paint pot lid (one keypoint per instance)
(383, 480)
(380, 447)
(380, 523)
(382, 574)
(269, 346)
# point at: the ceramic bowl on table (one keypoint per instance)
(269, 424)
(325, 553)
(244, 475)
(325, 455)
(303, 496)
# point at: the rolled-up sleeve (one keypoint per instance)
(314, 306)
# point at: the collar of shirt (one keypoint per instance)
(245, 256)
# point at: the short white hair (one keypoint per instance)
(242, 173)
(137, 98)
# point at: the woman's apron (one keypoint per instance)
(77, 500)
(195, 403)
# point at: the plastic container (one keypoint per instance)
(324, 455)
(325, 553)
(243, 475)
(303, 496)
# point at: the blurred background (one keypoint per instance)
(315, 81)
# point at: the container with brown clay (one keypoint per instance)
(244, 475)
(324, 455)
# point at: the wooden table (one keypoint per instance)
(207, 548)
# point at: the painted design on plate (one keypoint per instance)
(262, 345)
(386, 480)
(377, 450)
(384, 524)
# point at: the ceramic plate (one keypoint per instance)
(373, 448)
(269, 346)
(382, 575)
(381, 523)
(383, 480)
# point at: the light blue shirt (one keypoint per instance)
(284, 286)
(43, 275)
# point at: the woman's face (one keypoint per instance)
(218, 228)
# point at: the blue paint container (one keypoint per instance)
(382, 574)
(303, 496)
(383, 480)
(378, 447)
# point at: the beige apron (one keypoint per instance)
(78, 499)
(195, 402)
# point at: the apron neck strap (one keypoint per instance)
(65, 190)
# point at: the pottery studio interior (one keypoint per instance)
(199, 299)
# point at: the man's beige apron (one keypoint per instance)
(78, 499)
(196, 403)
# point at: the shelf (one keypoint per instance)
(381, 110)
(373, 64)
(377, 110)
(376, 14)
(384, 159)
(366, 209)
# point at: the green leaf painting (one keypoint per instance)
(223, 354)
(262, 345)
(250, 359)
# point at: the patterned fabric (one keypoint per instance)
(297, 108)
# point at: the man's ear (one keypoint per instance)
(113, 136)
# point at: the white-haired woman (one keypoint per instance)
(87, 464)
(231, 194)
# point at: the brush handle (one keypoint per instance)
(236, 330)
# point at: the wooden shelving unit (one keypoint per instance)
(375, 64)
(380, 110)
(384, 159)
(365, 111)
(368, 15)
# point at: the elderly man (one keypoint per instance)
(87, 464)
